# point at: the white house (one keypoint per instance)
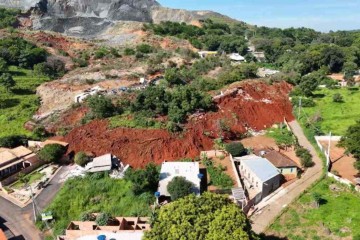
(260, 176)
(189, 170)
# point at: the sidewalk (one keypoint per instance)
(272, 206)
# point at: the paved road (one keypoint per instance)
(20, 220)
(271, 208)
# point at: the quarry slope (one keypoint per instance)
(252, 105)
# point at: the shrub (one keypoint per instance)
(86, 216)
(236, 149)
(81, 159)
(52, 152)
(305, 157)
(179, 187)
(40, 132)
(143, 180)
(338, 98)
(144, 48)
(102, 219)
(129, 51)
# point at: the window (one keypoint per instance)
(291, 170)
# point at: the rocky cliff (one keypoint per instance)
(88, 18)
(83, 17)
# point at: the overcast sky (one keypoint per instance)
(322, 15)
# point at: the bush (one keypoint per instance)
(338, 98)
(305, 157)
(144, 48)
(102, 219)
(52, 153)
(236, 149)
(81, 159)
(40, 132)
(179, 187)
(129, 51)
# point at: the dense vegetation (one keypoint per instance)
(8, 17)
(52, 153)
(218, 177)
(179, 187)
(211, 36)
(209, 216)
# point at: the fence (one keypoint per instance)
(325, 151)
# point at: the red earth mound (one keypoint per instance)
(253, 105)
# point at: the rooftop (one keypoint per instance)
(169, 170)
(101, 163)
(278, 159)
(261, 167)
(7, 155)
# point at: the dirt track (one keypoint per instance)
(256, 106)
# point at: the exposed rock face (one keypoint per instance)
(83, 17)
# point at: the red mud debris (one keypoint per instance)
(256, 105)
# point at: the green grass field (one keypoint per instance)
(338, 212)
(337, 117)
(17, 107)
(96, 193)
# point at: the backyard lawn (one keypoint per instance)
(18, 107)
(337, 216)
(337, 117)
(97, 193)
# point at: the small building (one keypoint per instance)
(189, 170)
(101, 164)
(260, 177)
(283, 163)
(236, 57)
(121, 228)
(14, 160)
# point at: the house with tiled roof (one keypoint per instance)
(283, 163)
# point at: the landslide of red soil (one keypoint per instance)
(256, 105)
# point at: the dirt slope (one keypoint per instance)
(254, 105)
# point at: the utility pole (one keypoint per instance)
(328, 152)
(33, 203)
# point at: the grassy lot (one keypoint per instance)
(338, 212)
(337, 117)
(33, 177)
(18, 107)
(97, 193)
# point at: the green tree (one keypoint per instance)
(12, 141)
(81, 159)
(52, 153)
(236, 149)
(179, 187)
(351, 142)
(7, 81)
(144, 48)
(308, 84)
(195, 217)
(317, 198)
(101, 106)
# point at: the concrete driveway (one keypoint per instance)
(20, 221)
(270, 208)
